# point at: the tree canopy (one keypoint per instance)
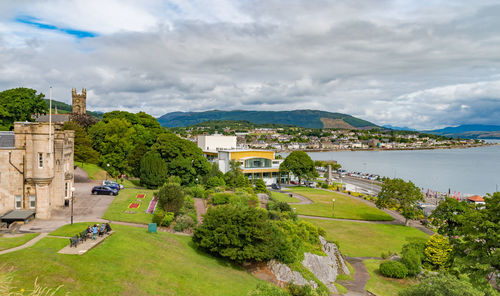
(299, 164)
(18, 104)
(396, 193)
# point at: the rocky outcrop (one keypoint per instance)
(325, 268)
(284, 275)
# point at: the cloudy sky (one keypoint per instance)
(423, 64)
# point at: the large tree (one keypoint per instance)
(183, 158)
(153, 170)
(83, 144)
(299, 164)
(18, 104)
(396, 193)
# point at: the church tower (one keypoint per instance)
(79, 102)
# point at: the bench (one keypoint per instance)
(84, 235)
(74, 241)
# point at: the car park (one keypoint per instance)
(104, 190)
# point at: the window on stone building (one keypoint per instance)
(32, 201)
(18, 204)
(66, 189)
(40, 160)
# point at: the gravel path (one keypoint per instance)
(201, 209)
(357, 286)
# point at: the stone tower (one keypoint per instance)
(79, 102)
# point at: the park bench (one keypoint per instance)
(84, 235)
(74, 241)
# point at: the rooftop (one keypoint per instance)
(475, 198)
(7, 139)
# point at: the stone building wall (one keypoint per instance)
(45, 165)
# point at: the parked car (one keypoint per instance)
(112, 184)
(104, 190)
(276, 186)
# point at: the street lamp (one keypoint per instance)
(72, 202)
(333, 206)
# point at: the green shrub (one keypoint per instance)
(197, 191)
(437, 251)
(412, 261)
(266, 289)
(158, 216)
(306, 290)
(442, 284)
(221, 198)
(183, 222)
(324, 186)
(260, 186)
(167, 219)
(215, 181)
(393, 269)
(171, 197)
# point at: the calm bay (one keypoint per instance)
(468, 171)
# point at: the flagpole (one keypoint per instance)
(50, 120)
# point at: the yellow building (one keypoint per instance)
(254, 164)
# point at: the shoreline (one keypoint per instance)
(388, 149)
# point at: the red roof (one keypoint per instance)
(475, 198)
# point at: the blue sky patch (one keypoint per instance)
(33, 21)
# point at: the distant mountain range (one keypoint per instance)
(469, 131)
(303, 118)
(399, 128)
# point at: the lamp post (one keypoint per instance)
(333, 206)
(72, 202)
(107, 173)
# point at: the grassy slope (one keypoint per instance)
(345, 207)
(94, 171)
(283, 197)
(380, 285)
(129, 262)
(116, 211)
(11, 242)
(368, 240)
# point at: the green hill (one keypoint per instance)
(63, 108)
(303, 118)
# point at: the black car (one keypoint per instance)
(104, 190)
(276, 186)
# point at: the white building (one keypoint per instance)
(216, 142)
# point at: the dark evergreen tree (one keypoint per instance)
(153, 171)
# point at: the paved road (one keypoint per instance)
(87, 207)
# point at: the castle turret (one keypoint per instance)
(79, 102)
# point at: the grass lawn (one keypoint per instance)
(11, 242)
(70, 230)
(381, 285)
(94, 171)
(346, 207)
(118, 208)
(283, 197)
(357, 239)
(129, 262)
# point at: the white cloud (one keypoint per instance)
(418, 64)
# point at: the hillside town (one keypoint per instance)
(283, 139)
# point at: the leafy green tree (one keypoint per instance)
(236, 233)
(183, 158)
(477, 252)
(83, 151)
(215, 181)
(242, 181)
(299, 164)
(396, 193)
(260, 186)
(153, 170)
(114, 141)
(437, 251)
(214, 172)
(441, 284)
(135, 156)
(18, 104)
(171, 197)
(448, 217)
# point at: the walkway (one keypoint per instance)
(356, 287)
(26, 245)
(201, 209)
(85, 246)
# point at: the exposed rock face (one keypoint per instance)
(284, 275)
(326, 268)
